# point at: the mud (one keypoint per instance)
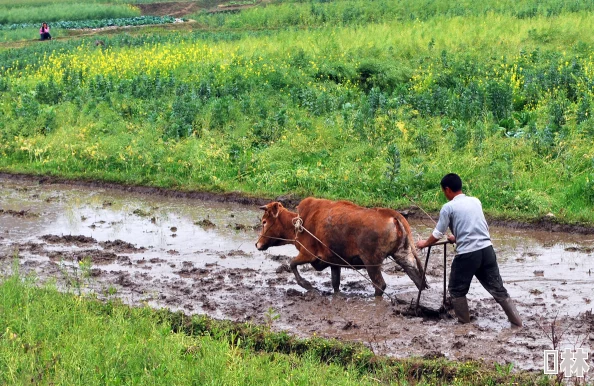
(20, 213)
(291, 201)
(69, 240)
(214, 268)
(94, 255)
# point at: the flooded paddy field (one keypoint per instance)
(199, 257)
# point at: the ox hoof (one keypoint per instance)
(306, 285)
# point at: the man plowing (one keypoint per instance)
(474, 250)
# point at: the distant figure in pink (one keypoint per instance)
(44, 32)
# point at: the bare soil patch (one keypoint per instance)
(77, 240)
(95, 255)
(184, 8)
(120, 246)
(174, 8)
(18, 213)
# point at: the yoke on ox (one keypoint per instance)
(339, 234)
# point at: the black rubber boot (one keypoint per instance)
(510, 310)
(460, 306)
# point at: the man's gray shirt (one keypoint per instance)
(464, 216)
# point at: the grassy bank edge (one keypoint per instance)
(19, 295)
(512, 219)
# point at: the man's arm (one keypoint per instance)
(439, 231)
(425, 243)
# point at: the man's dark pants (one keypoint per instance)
(483, 265)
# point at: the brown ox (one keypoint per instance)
(361, 237)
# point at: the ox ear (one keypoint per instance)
(275, 208)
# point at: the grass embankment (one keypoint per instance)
(48, 337)
(364, 112)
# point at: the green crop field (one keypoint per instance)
(335, 99)
(58, 12)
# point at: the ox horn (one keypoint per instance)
(263, 207)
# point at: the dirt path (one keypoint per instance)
(184, 8)
(199, 256)
(173, 8)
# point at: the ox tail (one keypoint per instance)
(409, 240)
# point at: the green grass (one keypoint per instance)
(360, 12)
(58, 12)
(31, 33)
(8, 4)
(48, 337)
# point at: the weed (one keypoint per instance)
(270, 316)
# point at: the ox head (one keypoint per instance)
(272, 227)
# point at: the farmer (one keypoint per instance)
(474, 251)
(44, 32)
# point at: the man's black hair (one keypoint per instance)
(452, 181)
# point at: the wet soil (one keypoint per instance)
(549, 224)
(177, 251)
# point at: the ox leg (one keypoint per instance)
(408, 264)
(297, 261)
(335, 278)
(375, 274)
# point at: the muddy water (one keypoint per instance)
(199, 257)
